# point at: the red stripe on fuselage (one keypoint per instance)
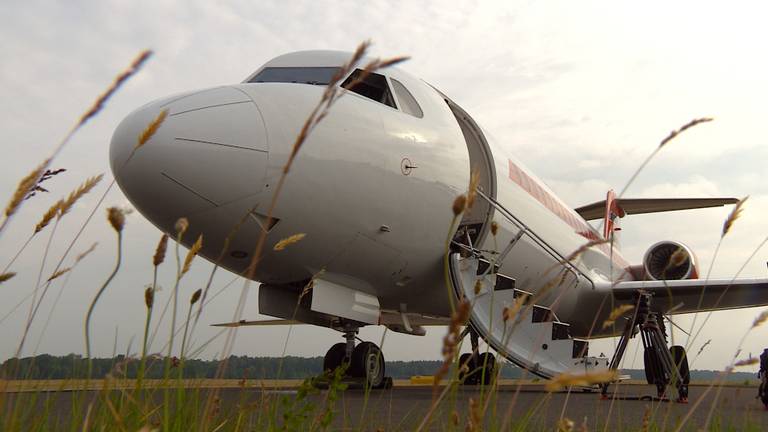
(566, 214)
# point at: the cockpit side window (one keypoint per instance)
(298, 75)
(407, 102)
(373, 86)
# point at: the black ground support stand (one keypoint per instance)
(660, 366)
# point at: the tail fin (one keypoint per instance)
(612, 214)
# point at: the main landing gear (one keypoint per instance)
(476, 368)
(364, 361)
(666, 368)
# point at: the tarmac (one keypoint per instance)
(519, 406)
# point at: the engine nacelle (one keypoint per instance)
(669, 260)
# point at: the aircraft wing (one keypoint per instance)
(270, 322)
(684, 295)
(387, 318)
(652, 205)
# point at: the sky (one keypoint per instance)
(581, 92)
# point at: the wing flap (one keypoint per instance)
(685, 295)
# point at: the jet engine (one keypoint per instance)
(669, 260)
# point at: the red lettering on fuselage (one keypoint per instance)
(566, 214)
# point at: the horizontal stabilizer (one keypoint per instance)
(652, 205)
(693, 295)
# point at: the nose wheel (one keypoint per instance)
(476, 368)
(364, 362)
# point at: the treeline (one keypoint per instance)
(238, 367)
(75, 366)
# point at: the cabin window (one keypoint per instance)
(407, 102)
(373, 86)
(298, 75)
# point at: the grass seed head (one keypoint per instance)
(494, 227)
(162, 246)
(6, 276)
(735, 214)
(746, 362)
(58, 273)
(25, 186)
(151, 129)
(478, 286)
(474, 419)
(584, 427)
(565, 425)
(646, 418)
(86, 253)
(474, 180)
(678, 257)
(284, 243)
(149, 297)
(760, 318)
(459, 204)
(616, 313)
(195, 296)
(191, 254)
(567, 380)
(452, 338)
(98, 104)
(682, 129)
(48, 216)
(181, 226)
(78, 193)
(116, 218)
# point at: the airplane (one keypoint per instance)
(372, 190)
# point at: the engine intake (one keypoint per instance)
(669, 260)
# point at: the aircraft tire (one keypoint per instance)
(486, 367)
(651, 365)
(465, 376)
(681, 361)
(334, 357)
(368, 363)
(762, 391)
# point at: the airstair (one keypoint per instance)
(533, 337)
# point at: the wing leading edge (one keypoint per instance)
(684, 295)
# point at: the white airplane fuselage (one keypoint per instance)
(372, 188)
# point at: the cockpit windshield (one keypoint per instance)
(299, 75)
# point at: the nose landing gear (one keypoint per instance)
(364, 361)
(476, 368)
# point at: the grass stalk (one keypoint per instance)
(95, 300)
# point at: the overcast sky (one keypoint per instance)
(581, 91)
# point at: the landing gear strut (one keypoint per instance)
(364, 361)
(480, 367)
(666, 368)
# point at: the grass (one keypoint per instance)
(175, 403)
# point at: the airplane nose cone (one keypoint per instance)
(210, 150)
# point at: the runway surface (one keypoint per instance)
(524, 407)
(531, 408)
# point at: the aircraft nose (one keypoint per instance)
(210, 150)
